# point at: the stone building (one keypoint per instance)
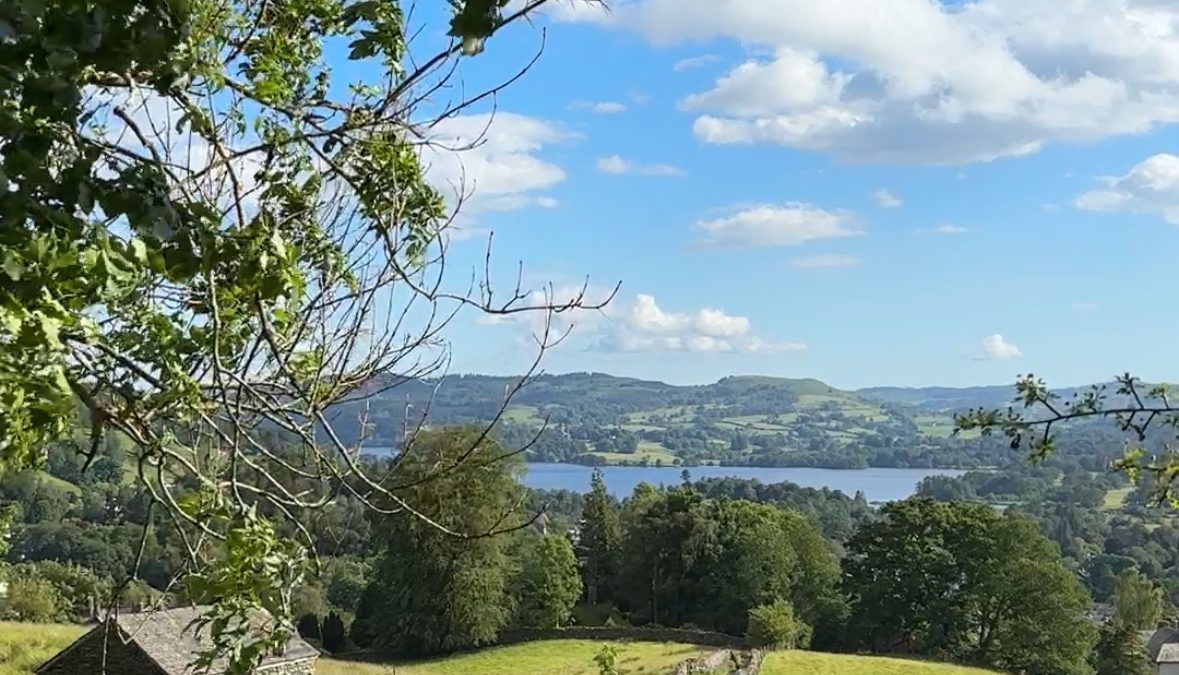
(162, 642)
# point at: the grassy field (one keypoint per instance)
(652, 451)
(24, 646)
(567, 657)
(814, 663)
(1116, 499)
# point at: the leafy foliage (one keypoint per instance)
(1120, 651)
(548, 584)
(334, 636)
(775, 626)
(1138, 600)
(308, 626)
(202, 218)
(958, 581)
(599, 538)
(434, 591)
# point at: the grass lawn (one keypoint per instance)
(566, 657)
(522, 414)
(815, 663)
(24, 646)
(940, 426)
(652, 451)
(1116, 499)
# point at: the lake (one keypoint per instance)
(878, 485)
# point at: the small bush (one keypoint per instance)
(775, 626)
(32, 599)
(308, 626)
(334, 637)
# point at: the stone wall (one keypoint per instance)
(704, 664)
(752, 665)
(304, 667)
(635, 633)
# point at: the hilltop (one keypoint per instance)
(596, 418)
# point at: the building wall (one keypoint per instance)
(89, 654)
(1168, 669)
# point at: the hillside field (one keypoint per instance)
(25, 646)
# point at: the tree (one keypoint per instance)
(333, 632)
(599, 540)
(775, 626)
(1120, 651)
(548, 584)
(1138, 600)
(203, 227)
(433, 591)
(32, 599)
(958, 581)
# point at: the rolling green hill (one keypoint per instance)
(594, 418)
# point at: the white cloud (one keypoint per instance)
(921, 81)
(788, 224)
(1152, 186)
(493, 161)
(997, 348)
(617, 165)
(600, 107)
(947, 229)
(886, 199)
(824, 261)
(695, 62)
(643, 326)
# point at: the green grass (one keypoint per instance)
(815, 663)
(24, 646)
(567, 657)
(522, 414)
(940, 426)
(652, 451)
(1116, 499)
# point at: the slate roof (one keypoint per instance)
(166, 637)
(1163, 646)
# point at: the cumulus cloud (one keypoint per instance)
(1152, 186)
(600, 107)
(886, 199)
(824, 261)
(644, 326)
(695, 62)
(919, 81)
(997, 348)
(493, 162)
(617, 165)
(787, 224)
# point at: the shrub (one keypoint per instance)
(334, 637)
(774, 625)
(308, 626)
(32, 599)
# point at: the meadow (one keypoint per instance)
(815, 663)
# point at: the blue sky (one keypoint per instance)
(868, 192)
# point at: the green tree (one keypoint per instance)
(33, 599)
(1138, 600)
(334, 635)
(548, 584)
(205, 215)
(442, 586)
(776, 626)
(600, 540)
(958, 581)
(1120, 651)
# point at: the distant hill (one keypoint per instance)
(942, 398)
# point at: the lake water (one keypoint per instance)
(878, 485)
